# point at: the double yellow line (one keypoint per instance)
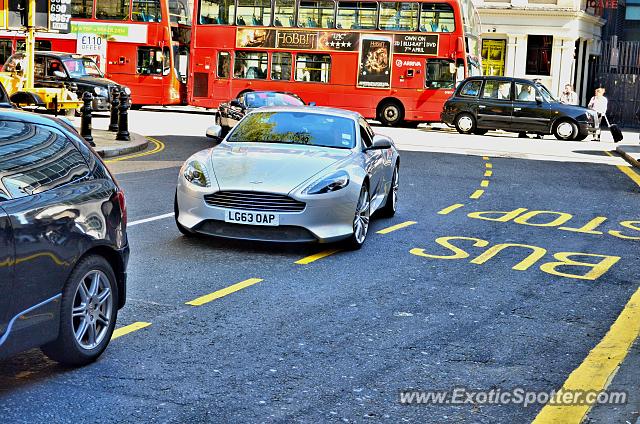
(158, 146)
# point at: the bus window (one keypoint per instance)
(150, 61)
(116, 10)
(281, 66)
(81, 8)
(250, 65)
(254, 12)
(5, 50)
(357, 15)
(316, 14)
(224, 64)
(313, 67)
(180, 11)
(219, 12)
(41, 46)
(437, 17)
(284, 13)
(399, 16)
(146, 11)
(439, 74)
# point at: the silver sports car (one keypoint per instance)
(291, 174)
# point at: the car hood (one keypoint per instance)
(274, 168)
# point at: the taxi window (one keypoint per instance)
(471, 89)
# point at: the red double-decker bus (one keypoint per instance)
(393, 61)
(142, 44)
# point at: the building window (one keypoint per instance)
(399, 16)
(146, 11)
(81, 8)
(284, 13)
(316, 14)
(632, 13)
(254, 12)
(437, 17)
(493, 52)
(250, 65)
(539, 54)
(357, 15)
(115, 10)
(313, 67)
(281, 66)
(224, 64)
(220, 12)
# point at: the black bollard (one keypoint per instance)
(123, 118)
(85, 124)
(115, 102)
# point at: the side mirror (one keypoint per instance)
(59, 74)
(236, 103)
(214, 132)
(539, 99)
(380, 142)
(312, 103)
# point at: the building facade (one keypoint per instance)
(556, 41)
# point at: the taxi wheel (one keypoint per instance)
(465, 123)
(565, 130)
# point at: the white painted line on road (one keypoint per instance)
(151, 219)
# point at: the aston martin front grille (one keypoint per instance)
(254, 201)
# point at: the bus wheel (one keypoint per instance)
(390, 113)
(136, 107)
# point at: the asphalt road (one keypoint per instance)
(335, 340)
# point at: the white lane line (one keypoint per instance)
(151, 219)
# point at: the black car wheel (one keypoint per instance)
(465, 123)
(565, 130)
(391, 113)
(479, 131)
(88, 313)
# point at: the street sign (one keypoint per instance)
(60, 16)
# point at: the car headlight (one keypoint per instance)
(127, 90)
(332, 182)
(101, 91)
(196, 173)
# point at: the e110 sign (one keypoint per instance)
(60, 16)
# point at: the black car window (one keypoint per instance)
(36, 158)
(525, 92)
(495, 89)
(471, 88)
(54, 69)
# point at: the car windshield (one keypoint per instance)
(256, 100)
(546, 94)
(82, 67)
(313, 129)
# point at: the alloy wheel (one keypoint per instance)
(92, 307)
(362, 217)
(395, 184)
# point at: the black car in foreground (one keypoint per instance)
(487, 103)
(55, 69)
(63, 241)
(229, 114)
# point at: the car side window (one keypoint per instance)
(36, 158)
(525, 92)
(54, 66)
(471, 89)
(366, 134)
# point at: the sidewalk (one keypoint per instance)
(630, 153)
(107, 146)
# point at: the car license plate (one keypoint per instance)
(251, 218)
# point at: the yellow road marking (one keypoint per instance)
(476, 194)
(450, 209)
(599, 367)
(396, 227)
(628, 171)
(488, 173)
(485, 157)
(119, 332)
(158, 147)
(317, 256)
(223, 292)
(488, 165)
(484, 183)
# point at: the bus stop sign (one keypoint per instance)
(60, 16)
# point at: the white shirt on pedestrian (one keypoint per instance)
(599, 104)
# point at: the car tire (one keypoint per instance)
(361, 220)
(391, 204)
(184, 230)
(565, 130)
(465, 123)
(136, 107)
(391, 113)
(478, 131)
(581, 136)
(89, 306)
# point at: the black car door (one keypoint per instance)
(6, 268)
(53, 201)
(530, 114)
(495, 105)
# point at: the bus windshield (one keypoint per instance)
(313, 129)
(82, 67)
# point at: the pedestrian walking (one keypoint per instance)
(569, 96)
(598, 103)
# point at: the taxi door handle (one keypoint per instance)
(481, 106)
(516, 109)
